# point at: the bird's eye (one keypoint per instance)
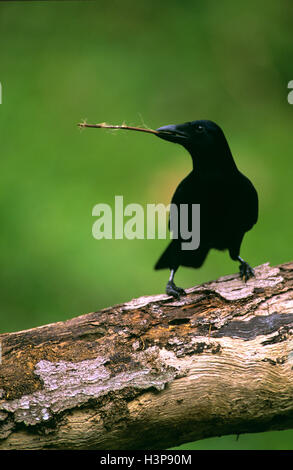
(199, 128)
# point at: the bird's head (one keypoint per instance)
(198, 137)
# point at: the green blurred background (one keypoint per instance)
(146, 62)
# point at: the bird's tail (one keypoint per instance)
(173, 256)
(168, 258)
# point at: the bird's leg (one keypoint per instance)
(172, 289)
(246, 271)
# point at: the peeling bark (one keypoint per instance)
(154, 372)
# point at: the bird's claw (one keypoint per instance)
(174, 291)
(246, 271)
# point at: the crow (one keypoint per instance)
(228, 200)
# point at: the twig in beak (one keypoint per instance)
(104, 125)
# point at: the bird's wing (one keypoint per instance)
(185, 193)
(248, 205)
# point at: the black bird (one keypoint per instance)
(228, 200)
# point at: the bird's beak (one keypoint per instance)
(172, 134)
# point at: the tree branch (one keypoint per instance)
(155, 372)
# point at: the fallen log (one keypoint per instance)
(155, 372)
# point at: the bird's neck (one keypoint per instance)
(213, 164)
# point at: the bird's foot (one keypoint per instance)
(246, 271)
(174, 291)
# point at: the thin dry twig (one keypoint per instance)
(104, 125)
